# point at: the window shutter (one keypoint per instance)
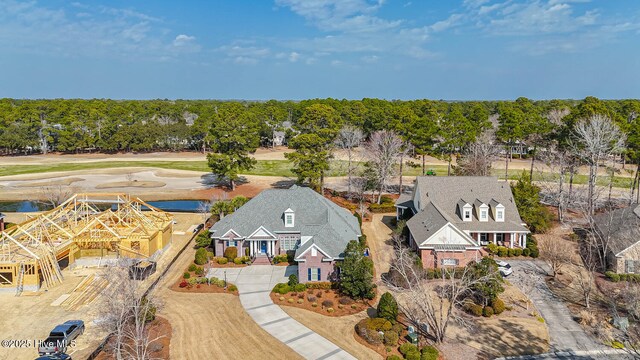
(309, 275)
(319, 277)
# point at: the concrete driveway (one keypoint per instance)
(567, 337)
(254, 284)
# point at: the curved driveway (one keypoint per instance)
(254, 284)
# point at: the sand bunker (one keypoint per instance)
(137, 184)
(58, 182)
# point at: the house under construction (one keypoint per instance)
(85, 226)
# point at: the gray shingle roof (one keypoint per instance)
(450, 193)
(620, 226)
(330, 226)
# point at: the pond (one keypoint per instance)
(166, 205)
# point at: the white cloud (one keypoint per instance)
(183, 40)
(294, 56)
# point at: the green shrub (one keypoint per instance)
(517, 252)
(429, 353)
(391, 338)
(290, 301)
(320, 285)
(199, 271)
(502, 251)
(612, 276)
(498, 306)
(492, 248)
(473, 308)
(382, 208)
(510, 252)
(233, 288)
(192, 267)
(300, 301)
(388, 307)
(413, 355)
(330, 310)
(201, 256)
(237, 261)
(280, 258)
(223, 261)
(281, 288)
(394, 357)
(487, 311)
(408, 347)
(526, 252)
(246, 252)
(624, 277)
(186, 275)
(300, 288)
(359, 219)
(231, 253)
(293, 280)
(315, 304)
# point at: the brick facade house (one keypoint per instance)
(620, 230)
(297, 221)
(452, 218)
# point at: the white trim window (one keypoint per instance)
(232, 243)
(313, 274)
(449, 262)
(483, 214)
(499, 215)
(289, 243)
(467, 215)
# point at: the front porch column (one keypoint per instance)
(495, 238)
(513, 239)
(253, 248)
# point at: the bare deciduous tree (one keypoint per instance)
(383, 151)
(556, 252)
(349, 138)
(56, 194)
(125, 313)
(596, 138)
(478, 157)
(434, 303)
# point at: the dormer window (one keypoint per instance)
(482, 210)
(498, 211)
(289, 218)
(466, 210)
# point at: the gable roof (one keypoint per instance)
(621, 227)
(447, 193)
(330, 226)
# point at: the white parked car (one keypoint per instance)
(504, 268)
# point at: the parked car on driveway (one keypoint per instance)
(504, 268)
(58, 356)
(61, 337)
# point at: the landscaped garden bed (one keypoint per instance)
(317, 297)
(194, 280)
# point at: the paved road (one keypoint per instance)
(568, 339)
(254, 284)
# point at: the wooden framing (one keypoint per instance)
(85, 224)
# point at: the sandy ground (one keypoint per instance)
(31, 317)
(208, 326)
(339, 330)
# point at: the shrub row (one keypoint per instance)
(282, 288)
(321, 285)
(497, 307)
(280, 258)
(411, 352)
(622, 277)
(382, 208)
(437, 273)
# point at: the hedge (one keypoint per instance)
(321, 285)
(231, 253)
(429, 353)
(622, 277)
(382, 208)
(282, 288)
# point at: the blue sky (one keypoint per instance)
(298, 49)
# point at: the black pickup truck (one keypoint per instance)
(61, 337)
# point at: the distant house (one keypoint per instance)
(279, 137)
(296, 220)
(451, 218)
(620, 230)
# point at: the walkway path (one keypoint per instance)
(254, 284)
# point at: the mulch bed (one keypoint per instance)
(201, 288)
(159, 349)
(331, 295)
(227, 265)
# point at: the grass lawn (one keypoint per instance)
(276, 168)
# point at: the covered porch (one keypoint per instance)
(264, 247)
(507, 239)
